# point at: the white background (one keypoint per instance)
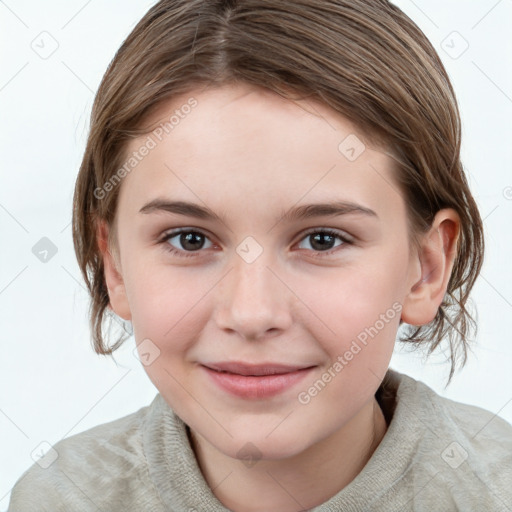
(53, 384)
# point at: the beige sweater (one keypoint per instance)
(437, 455)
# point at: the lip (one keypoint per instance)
(241, 368)
(255, 381)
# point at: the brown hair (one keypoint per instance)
(363, 58)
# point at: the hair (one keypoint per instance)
(365, 59)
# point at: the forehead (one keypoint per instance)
(227, 143)
(243, 110)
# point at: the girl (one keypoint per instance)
(269, 191)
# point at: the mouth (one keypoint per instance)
(255, 370)
(255, 382)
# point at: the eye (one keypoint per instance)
(190, 240)
(322, 240)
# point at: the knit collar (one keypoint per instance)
(177, 477)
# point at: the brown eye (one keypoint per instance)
(324, 240)
(191, 241)
(186, 241)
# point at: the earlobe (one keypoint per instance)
(436, 258)
(113, 277)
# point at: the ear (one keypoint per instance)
(113, 278)
(436, 258)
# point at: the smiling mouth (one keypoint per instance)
(255, 370)
(257, 383)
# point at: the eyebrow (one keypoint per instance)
(307, 211)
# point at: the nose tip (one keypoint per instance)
(253, 302)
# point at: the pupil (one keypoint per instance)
(320, 237)
(187, 241)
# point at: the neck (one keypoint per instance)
(296, 483)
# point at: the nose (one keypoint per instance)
(253, 301)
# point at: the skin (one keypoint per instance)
(250, 155)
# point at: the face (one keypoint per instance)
(256, 282)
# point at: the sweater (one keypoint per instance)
(436, 455)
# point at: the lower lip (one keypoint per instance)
(256, 387)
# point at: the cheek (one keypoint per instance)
(169, 309)
(359, 342)
(351, 297)
(356, 307)
(167, 303)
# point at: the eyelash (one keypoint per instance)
(187, 254)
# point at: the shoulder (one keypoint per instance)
(483, 432)
(465, 449)
(102, 466)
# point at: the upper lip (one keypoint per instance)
(242, 368)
